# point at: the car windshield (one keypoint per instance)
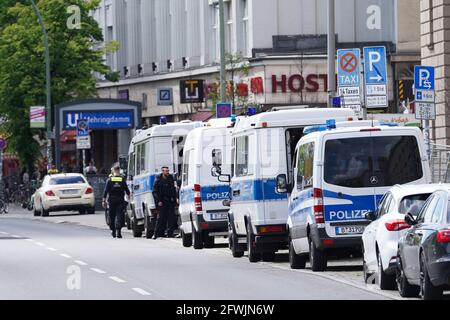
(413, 204)
(67, 180)
(372, 161)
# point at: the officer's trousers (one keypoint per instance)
(116, 214)
(166, 220)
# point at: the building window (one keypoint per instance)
(245, 28)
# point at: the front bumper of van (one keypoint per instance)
(323, 241)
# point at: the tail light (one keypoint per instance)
(318, 206)
(443, 236)
(89, 190)
(272, 229)
(397, 225)
(50, 193)
(198, 197)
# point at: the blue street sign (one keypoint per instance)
(165, 96)
(224, 110)
(424, 78)
(336, 102)
(349, 71)
(99, 120)
(82, 128)
(375, 68)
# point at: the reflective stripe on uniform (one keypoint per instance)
(116, 179)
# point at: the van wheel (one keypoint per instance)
(405, 289)
(268, 256)
(296, 261)
(186, 239)
(253, 256)
(317, 258)
(91, 210)
(385, 281)
(208, 241)
(197, 239)
(234, 246)
(137, 232)
(427, 290)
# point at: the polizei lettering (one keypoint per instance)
(217, 196)
(348, 215)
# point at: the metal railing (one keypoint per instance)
(440, 163)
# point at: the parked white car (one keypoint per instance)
(380, 238)
(64, 192)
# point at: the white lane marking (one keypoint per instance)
(65, 255)
(142, 292)
(16, 236)
(98, 270)
(30, 240)
(116, 279)
(4, 232)
(51, 249)
(81, 263)
(40, 244)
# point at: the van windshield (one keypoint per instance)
(372, 161)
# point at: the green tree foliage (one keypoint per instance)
(75, 56)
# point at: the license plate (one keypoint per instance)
(70, 191)
(350, 230)
(219, 216)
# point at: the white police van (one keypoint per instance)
(263, 148)
(203, 215)
(150, 150)
(338, 178)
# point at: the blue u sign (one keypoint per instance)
(424, 78)
(99, 120)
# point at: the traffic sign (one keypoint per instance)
(224, 110)
(425, 111)
(424, 78)
(349, 71)
(82, 128)
(425, 96)
(375, 67)
(376, 101)
(337, 102)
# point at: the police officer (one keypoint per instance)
(165, 196)
(115, 190)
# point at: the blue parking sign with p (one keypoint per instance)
(375, 68)
(424, 78)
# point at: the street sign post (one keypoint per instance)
(349, 79)
(375, 77)
(83, 138)
(424, 85)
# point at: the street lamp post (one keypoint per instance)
(223, 87)
(48, 106)
(331, 52)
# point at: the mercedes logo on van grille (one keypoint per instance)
(374, 180)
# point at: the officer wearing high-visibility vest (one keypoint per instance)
(114, 193)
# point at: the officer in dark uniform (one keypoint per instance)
(115, 190)
(165, 196)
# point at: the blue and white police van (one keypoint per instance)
(203, 214)
(339, 177)
(263, 147)
(150, 150)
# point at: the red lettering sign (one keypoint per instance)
(242, 89)
(257, 85)
(298, 83)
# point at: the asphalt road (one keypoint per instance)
(41, 259)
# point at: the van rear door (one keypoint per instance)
(359, 169)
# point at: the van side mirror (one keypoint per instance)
(226, 203)
(410, 220)
(371, 216)
(216, 171)
(282, 184)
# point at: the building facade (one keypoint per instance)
(278, 51)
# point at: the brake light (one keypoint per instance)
(198, 197)
(328, 242)
(370, 130)
(264, 124)
(397, 225)
(270, 229)
(89, 190)
(50, 193)
(318, 206)
(443, 236)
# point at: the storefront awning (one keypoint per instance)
(202, 116)
(68, 135)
